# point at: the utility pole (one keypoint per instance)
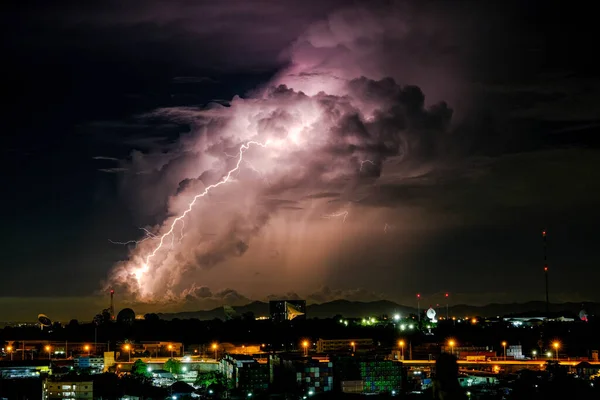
(447, 295)
(419, 306)
(546, 273)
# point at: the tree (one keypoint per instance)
(140, 368)
(210, 378)
(173, 366)
(152, 317)
(248, 316)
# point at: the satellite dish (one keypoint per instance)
(431, 313)
(44, 320)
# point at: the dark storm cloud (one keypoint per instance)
(238, 35)
(319, 143)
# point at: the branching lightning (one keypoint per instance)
(253, 168)
(343, 214)
(362, 163)
(148, 235)
(180, 218)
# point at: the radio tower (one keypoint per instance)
(112, 304)
(546, 272)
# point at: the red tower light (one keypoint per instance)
(418, 295)
(446, 294)
(544, 233)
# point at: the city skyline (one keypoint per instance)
(375, 151)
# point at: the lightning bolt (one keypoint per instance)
(337, 214)
(362, 163)
(253, 168)
(206, 191)
(148, 235)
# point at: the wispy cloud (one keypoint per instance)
(105, 158)
(194, 79)
(112, 170)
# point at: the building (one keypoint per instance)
(314, 376)
(291, 372)
(515, 351)
(352, 386)
(158, 349)
(329, 345)
(245, 373)
(58, 389)
(92, 363)
(249, 349)
(381, 376)
(287, 310)
(24, 369)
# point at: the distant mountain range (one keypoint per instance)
(358, 309)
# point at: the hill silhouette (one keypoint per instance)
(360, 309)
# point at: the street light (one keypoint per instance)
(305, 345)
(48, 348)
(215, 347)
(556, 346)
(127, 348)
(170, 347)
(353, 347)
(504, 345)
(401, 344)
(9, 349)
(87, 348)
(534, 353)
(451, 343)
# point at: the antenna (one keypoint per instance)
(546, 271)
(43, 320)
(112, 305)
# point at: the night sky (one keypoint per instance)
(446, 137)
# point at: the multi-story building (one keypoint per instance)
(92, 363)
(245, 373)
(381, 375)
(60, 390)
(329, 345)
(287, 310)
(314, 376)
(292, 372)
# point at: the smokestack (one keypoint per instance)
(546, 272)
(112, 305)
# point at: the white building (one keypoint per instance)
(68, 390)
